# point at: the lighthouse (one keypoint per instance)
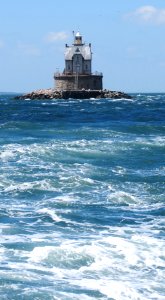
(77, 74)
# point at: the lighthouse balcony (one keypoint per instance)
(60, 74)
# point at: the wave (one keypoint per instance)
(82, 199)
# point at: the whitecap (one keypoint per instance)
(33, 185)
(50, 213)
(119, 197)
(6, 155)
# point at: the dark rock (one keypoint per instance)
(75, 94)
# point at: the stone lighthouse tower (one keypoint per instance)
(77, 74)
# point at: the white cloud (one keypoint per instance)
(28, 49)
(149, 14)
(56, 36)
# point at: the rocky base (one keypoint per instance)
(75, 94)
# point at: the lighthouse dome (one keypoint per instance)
(78, 34)
(78, 39)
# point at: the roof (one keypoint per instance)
(84, 50)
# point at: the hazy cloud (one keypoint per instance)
(56, 36)
(149, 14)
(2, 44)
(162, 64)
(28, 49)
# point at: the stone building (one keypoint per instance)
(77, 74)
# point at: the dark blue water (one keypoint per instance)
(82, 213)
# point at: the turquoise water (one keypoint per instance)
(82, 213)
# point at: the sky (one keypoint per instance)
(127, 37)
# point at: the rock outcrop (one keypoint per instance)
(75, 94)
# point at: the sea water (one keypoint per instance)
(82, 212)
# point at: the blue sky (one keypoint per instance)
(127, 36)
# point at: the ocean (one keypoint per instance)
(82, 190)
